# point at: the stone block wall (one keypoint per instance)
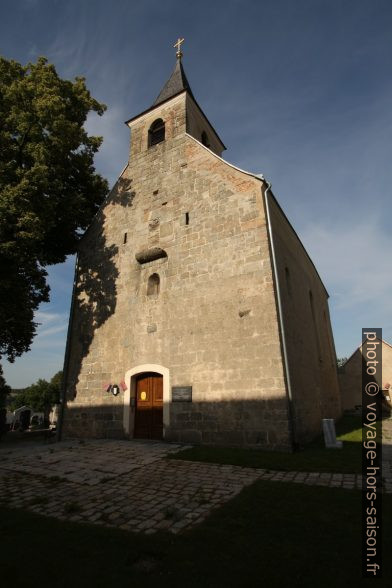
(309, 338)
(213, 324)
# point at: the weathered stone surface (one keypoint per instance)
(214, 310)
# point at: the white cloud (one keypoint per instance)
(50, 324)
(113, 153)
(44, 317)
(47, 351)
(51, 331)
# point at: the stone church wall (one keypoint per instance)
(213, 324)
(309, 338)
(203, 311)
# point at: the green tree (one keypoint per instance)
(49, 190)
(41, 396)
(4, 390)
(56, 382)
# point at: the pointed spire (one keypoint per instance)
(177, 81)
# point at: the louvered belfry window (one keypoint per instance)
(156, 133)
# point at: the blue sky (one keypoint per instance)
(299, 90)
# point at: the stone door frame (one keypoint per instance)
(130, 395)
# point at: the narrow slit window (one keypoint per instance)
(187, 218)
(330, 345)
(204, 139)
(125, 238)
(316, 332)
(288, 280)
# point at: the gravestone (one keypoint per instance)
(330, 435)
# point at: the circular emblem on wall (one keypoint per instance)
(143, 395)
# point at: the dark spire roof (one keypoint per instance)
(174, 85)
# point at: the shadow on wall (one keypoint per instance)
(122, 193)
(249, 423)
(95, 294)
(253, 424)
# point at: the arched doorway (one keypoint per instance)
(131, 377)
(148, 406)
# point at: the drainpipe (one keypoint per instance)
(63, 398)
(281, 323)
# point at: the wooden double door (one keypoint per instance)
(149, 406)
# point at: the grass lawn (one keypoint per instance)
(272, 534)
(312, 458)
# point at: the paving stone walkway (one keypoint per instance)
(128, 484)
(131, 484)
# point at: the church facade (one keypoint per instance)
(197, 314)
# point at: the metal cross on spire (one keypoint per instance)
(178, 45)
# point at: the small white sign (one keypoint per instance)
(330, 435)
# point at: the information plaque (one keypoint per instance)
(182, 393)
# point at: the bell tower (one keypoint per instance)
(173, 113)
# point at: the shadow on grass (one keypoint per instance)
(271, 534)
(311, 458)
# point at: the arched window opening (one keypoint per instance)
(204, 139)
(156, 133)
(153, 285)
